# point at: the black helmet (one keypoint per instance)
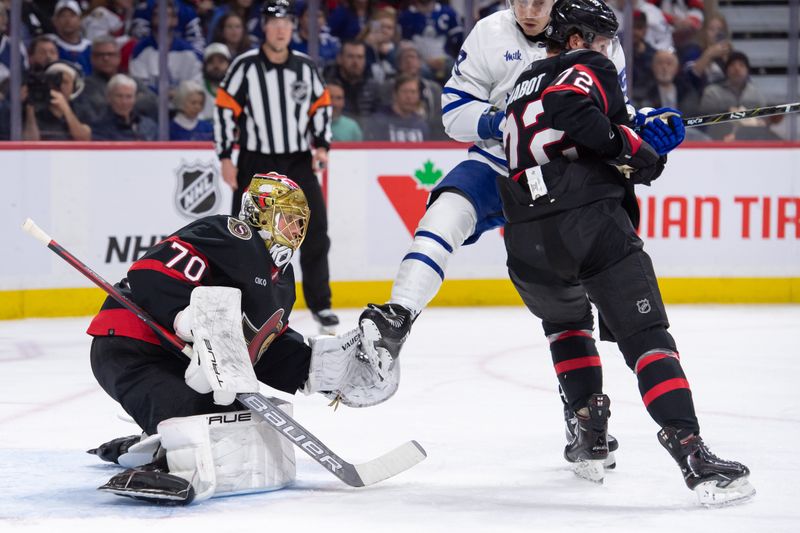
(588, 17)
(277, 9)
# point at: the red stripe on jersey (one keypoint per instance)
(558, 88)
(158, 266)
(663, 388)
(597, 84)
(571, 333)
(652, 358)
(121, 323)
(575, 364)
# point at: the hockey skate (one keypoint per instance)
(571, 426)
(716, 482)
(327, 321)
(385, 329)
(111, 450)
(151, 483)
(588, 449)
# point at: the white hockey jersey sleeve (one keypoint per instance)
(466, 94)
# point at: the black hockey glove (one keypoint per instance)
(637, 160)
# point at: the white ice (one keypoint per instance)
(478, 392)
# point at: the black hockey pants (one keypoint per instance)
(314, 250)
(561, 263)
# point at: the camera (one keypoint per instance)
(39, 86)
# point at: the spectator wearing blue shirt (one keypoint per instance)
(69, 39)
(121, 122)
(231, 32)
(187, 126)
(187, 28)
(349, 18)
(248, 11)
(328, 44)
(436, 31)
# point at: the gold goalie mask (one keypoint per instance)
(278, 206)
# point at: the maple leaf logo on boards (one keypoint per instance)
(409, 194)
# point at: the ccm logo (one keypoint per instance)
(294, 433)
(261, 281)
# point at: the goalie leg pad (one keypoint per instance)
(228, 453)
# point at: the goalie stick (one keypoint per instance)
(356, 475)
(729, 116)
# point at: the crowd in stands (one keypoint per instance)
(91, 66)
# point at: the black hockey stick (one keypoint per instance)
(729, 116)
(356, 475)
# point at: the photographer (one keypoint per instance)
(48, 112)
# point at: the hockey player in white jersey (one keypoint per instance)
(466, 202)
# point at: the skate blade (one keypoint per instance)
(711, 495)
(327, 330)
(590, 470)
(611, 462)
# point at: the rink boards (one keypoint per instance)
(722, 224)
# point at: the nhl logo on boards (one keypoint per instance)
(197, 193)
(643, 306)
(299, 91)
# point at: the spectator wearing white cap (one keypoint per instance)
(216, 60)
(51, 117)
(72, 45)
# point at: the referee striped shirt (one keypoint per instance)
(274, 108)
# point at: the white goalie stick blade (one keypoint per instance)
(711, 495)
(593, 471)
(360, 475)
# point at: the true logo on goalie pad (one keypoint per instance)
(197, 192)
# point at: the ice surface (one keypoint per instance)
(478, 392)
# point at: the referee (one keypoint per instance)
(273, 102)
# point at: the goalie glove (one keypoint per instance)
(220, 362)
(661, 128)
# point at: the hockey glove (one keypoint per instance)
(637, 160)
(662, 128)
(490, 124)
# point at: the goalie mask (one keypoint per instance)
(277, 206)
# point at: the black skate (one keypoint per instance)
(715, 481)
(327, 321)
(571, 426)
(151, 483)
(111, 450)
(588, 450)
(384, 329)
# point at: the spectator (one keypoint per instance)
(642, 58)
(705, 60)
(35, 20)
(42, 52)
(685, 17)
(216, 60)
(187, 124)
(107, 17)
(5, 47)
(106, 59)
(120, 121)
(48, 110)
(362, 93)
(735, 92)
(187, 25)
(669, 88)
(230, 32)
(328, 44)
(404, 121)
(343, 128)
(409, 62)
(247, 11)
(380, 37)
(72, 46)
(348, 19)
(659, 32)
(437, 32)
(183, 63)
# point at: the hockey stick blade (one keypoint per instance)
(360, 475)
(390, 464)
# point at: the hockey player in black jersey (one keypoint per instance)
(571, 240)
(230, 281)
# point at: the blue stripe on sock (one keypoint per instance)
(433, 236)
(427, 260)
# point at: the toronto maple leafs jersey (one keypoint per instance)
(216, 250)
(491, 59)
